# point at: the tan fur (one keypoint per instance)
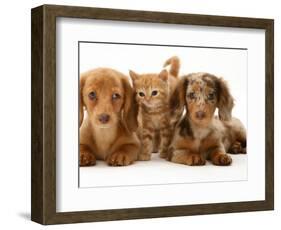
(199, 135)
(113, 140)
(174, 63)
(87, 158)
(154, 112)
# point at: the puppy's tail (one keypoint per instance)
(175, 65)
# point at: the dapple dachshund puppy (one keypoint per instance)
(199, 135)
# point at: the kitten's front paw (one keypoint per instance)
(144, 157)
(120, 159)
(163, 154)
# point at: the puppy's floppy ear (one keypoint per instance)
(225, 100)
(81, 101)
(130, 107)
(178, 98)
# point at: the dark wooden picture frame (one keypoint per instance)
(43, 188)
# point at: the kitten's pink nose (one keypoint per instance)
(200, 115)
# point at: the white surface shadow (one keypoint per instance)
(158, 171)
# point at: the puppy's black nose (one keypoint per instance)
(104, 118)
(200, 115)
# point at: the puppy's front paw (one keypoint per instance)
(87, 158)
(195, 160)
(182, 157)
(119, 159)
(221, 159)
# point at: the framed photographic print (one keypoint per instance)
(140, 114)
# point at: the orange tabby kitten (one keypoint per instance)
(152, 96)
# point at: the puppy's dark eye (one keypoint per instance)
(211, 96)
(141, 94)
(115, 96)
(92, 95)
(191, 95)
(154, 92)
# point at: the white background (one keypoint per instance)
(15, 124)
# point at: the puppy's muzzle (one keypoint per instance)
(200, 115)
(104, 118)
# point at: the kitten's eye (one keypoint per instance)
(191, 95)
(141, 94)
(92, 95)
(154, 93)
(211, 96)
(116, 96)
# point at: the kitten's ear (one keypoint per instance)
(130, 107)
(163, 75)
(225, 100)
(134, 76)
(81, 102)
(177, 100)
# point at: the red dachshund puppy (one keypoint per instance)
(108, 131)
